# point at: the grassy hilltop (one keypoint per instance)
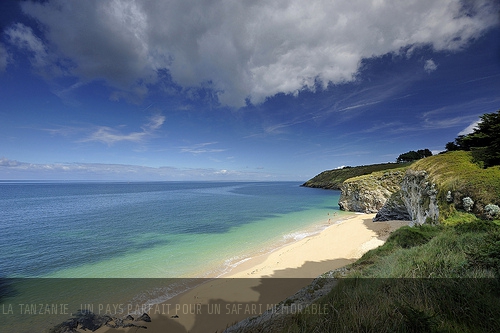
(458, 173)
(333, 179)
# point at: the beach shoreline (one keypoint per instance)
(252, 286)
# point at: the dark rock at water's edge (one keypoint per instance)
(87, 320)
(145, 318)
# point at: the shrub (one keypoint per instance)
(407, 237)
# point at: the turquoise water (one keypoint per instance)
(158, 229)
(164, 233)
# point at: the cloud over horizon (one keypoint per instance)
(241, 50)
(13, 170)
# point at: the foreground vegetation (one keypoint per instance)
(428, 278)
(443, 278)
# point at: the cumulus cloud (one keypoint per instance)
(111, 136)
(430, 66)
(244, 50)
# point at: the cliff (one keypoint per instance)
(415, 201)
(427, 191)
(333, 179)
(369, 193)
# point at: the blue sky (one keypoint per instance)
(237, 90)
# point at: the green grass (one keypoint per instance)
(456, 172)
(443, 278)
(457, 287)
(333, 179)
(430, 278)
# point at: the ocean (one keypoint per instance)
(147, 230)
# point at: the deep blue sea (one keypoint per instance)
(162, 230)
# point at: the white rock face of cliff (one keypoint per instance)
(393, 196)
(369, 193)
(419, 197)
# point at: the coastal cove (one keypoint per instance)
(95, 230)
(147, 232)
(263, 282)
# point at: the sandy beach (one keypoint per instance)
(260, 282)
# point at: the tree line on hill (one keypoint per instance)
(483, 142)
(413, 155)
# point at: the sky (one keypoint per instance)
(237, 90)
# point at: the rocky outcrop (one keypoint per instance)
(393, 210)
(393, 195)
(271, 319)
(420, 197)
(369, 193)
(87, 320)
(416, 201)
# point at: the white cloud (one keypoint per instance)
(110, 135)
(200, 148)
(430, 66)
(469, 129)
(12, 169)
(244, 49)
(23, 37)
(4, 162)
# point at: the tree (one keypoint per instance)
(413, 155)
(483, 142)
(452, 146)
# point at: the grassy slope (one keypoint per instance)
(332, 179)
(393, 288)
(455, 172)
(423, 279)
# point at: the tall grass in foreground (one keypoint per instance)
(423, 279)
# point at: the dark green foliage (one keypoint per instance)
(404, 305)
(476, 226)
(483, 142)
(333, 179)
(487, 254)
(413, 155)
(416, 320)
(407, 237)
(452, 146)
